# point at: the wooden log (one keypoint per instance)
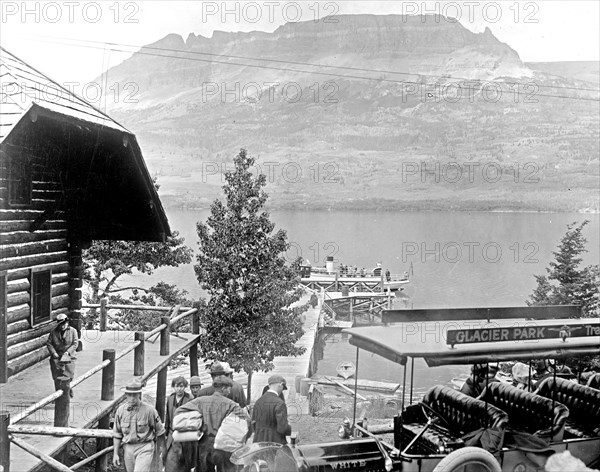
(24, 225)
(21, 363)
(62, 405)
(19, 326)
(15, 299)
(4, 441)
(138, 356)
(59, 432)
(40, 455)
(346, 389)
(61, 301)
(3, 330)
(182, 316)
(32, 260)
(131, 307)
(38, 331)
(20, 237)
(161, 392)
(60, 289)
(102, 447)
(164, 337)
(103, 314)
(56, 268)
(38, 247)
(108, 375)
(194, 370)
(25, 347)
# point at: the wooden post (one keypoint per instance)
(102, 461)
(3, 332)
(138, 355)
(336, 282)
(382, 286)
(62, 405)
(161, 392)
(164, 336)
(108, 375)
(389, 298)
(103, 314)
(194, 349)
(4, 441)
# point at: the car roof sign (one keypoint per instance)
(526, 339)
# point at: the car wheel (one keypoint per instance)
(468, 456)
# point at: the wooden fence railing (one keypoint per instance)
(8, 426)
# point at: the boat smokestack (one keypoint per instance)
(329, 264)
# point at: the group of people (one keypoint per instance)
(145, 438)
(523, 376)
(353, 271)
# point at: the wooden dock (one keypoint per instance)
(28, 387)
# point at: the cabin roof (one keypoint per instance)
(108, 190)
(521, 340)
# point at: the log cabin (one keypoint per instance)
(69, 174)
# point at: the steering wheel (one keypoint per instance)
(433, 415)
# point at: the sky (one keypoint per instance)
(66, 39)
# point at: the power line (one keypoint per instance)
(114, 47)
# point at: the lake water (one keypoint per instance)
(465, 259)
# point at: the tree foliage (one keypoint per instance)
(106, 261)
(252, 314)
(566, 283)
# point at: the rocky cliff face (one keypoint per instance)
(355, 104)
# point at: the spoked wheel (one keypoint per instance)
(430, 413)
(468, 459)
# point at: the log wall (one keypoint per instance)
(47, 248)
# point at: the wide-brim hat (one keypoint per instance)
(195, 381)
(220, 368)
(135, 386)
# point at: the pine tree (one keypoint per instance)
(251, 315)
(567, 283)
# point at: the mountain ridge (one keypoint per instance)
(369, 95)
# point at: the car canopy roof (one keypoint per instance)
(480, 341)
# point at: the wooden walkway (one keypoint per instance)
(28, 387)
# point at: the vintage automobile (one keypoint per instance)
(504, 429)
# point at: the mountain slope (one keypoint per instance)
(386, 128)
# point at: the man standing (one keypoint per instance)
(195, 386)
(175, 400)
(236, 392)
(62, 344)
(214, 409)
(138, 427)
(269, 416)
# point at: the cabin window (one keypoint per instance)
(19, 181)
(41, 297)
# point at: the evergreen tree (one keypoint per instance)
(252, 314)
(568, 284)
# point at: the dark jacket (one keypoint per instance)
(269, 419)
(170, 413)
(237, 393)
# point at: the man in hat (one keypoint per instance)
(218, 369)
(62, 344)
(175, 400)
(139, 428)
(481, 375)
(195, 386)
(269, 416)
(214, 409)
